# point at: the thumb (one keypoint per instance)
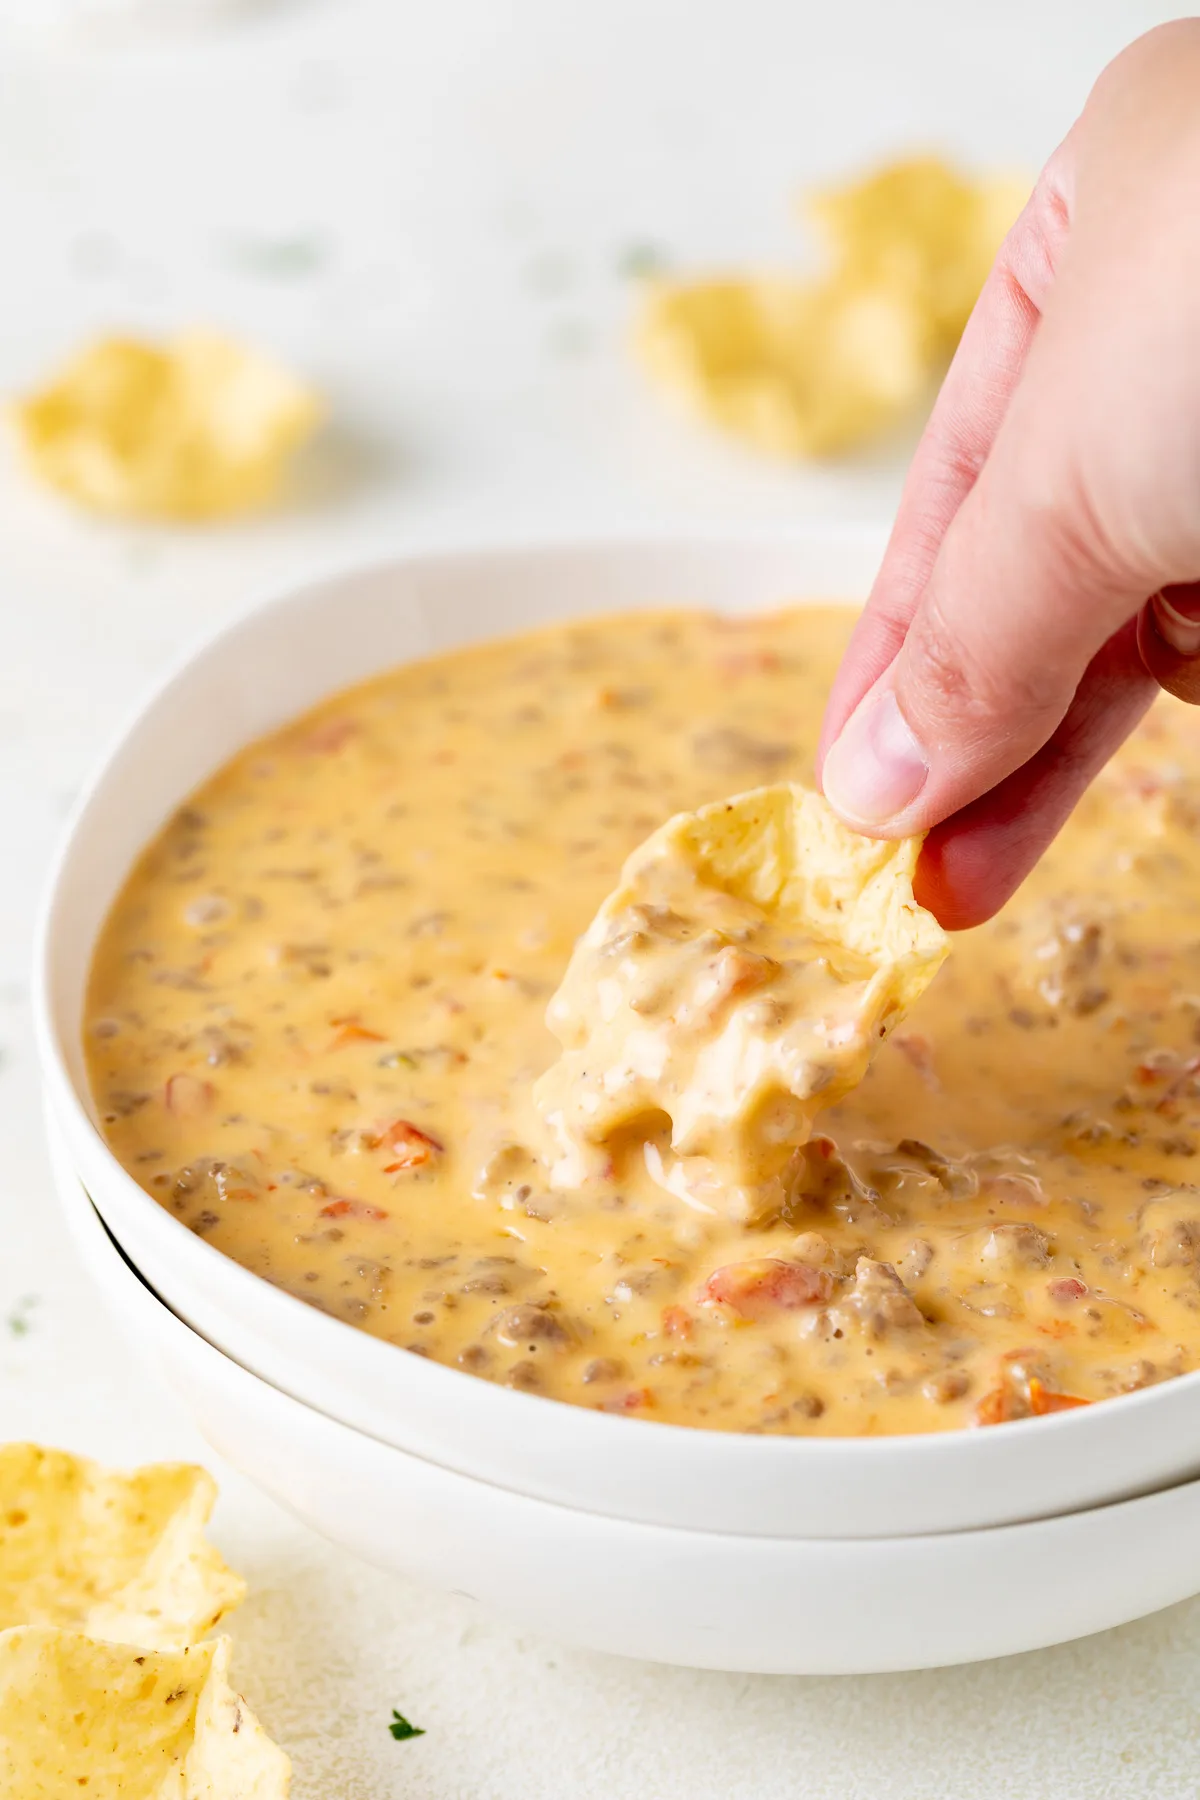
(1023, 593)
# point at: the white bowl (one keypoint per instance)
(768, 1605)
(250, 680)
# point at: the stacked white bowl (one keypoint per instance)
(690, 1546)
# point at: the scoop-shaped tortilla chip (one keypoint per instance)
(736, 983)
(798, 370)
(923, 231)
(111, 1722)
(816, 367)
(192, 429)
(119, 1556)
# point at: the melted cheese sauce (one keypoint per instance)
(316, 1016)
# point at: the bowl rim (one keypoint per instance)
(69, 1107)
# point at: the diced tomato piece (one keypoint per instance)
(1066, 1287)
(677, 1322)
(411, 1146)
(349, 1031)
(1046, 1400)
(187, 1096)
(402, 1133)
(351, 1209)
(1021, 1400)
(735, 663)
(330, 735)
(768, 1285)
(996, 1406)
(628, 1402)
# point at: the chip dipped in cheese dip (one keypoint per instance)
(738, 981)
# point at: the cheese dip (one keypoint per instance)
(316, 1016)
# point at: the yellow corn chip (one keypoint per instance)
(736, 983)
(111, 1722)
(193, 429)
(117, 1556)
(800, 371)
(784, 849)
(923, 232)
(815, 368)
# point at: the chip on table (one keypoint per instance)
(736, 983)
(816, 367)
(119, 1556)
(195, 428)
(923, 231)
(797, 370)
(114, 1722)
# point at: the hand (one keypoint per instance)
(1019, 620)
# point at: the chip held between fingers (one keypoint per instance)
(737, 982)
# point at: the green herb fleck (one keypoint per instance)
(280, 259)
(401, 1729)
(398, 1059)
(20, 1321)
(638, 262)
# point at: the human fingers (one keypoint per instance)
(959, 434)
(973, 861)
(1169, 640)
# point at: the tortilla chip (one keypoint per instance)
(194, 429)
(737, 982)
(784, 849)
(813, 368)
(923, 232)
(796, 370)
(113, 1722)
(118, 1556)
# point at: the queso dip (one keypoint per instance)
(316, 1018)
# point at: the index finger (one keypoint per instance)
(956, 441)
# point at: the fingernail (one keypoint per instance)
(1180, 632)
(876, 768)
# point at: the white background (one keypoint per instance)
(454, 185)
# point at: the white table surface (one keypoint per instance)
(462, 179)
